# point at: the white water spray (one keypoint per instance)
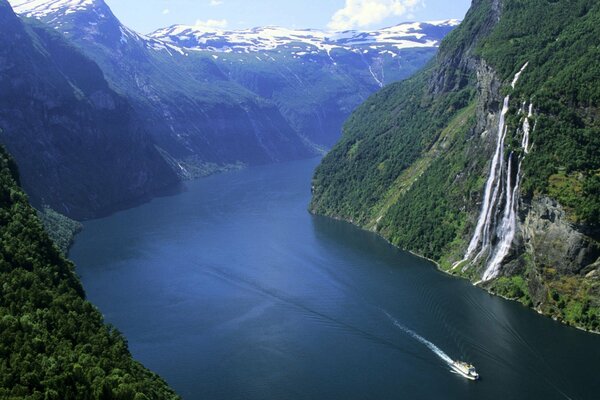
(500, 175)
(526, 130)
(491, 188)
(518, 75)
(421, 339)
(508, 228)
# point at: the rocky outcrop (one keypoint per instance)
(78, 145)
(486, 207)
(554, 242)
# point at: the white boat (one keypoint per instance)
(465, 369)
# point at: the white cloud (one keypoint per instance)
(166, 11)
(212, 23)
(362, 13)
(214, 3)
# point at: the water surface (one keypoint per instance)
(231, 290)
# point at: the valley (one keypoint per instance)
(257, 211)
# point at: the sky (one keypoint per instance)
(146, 16)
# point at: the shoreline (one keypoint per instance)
(438, 267)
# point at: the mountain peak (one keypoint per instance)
(404, 35)
(45, 8)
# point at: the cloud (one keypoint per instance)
(212, 23)
(166, 11)
(214, 3)
(362, 13)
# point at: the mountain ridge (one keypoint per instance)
(486, 162)
(68, 129)
(403, 35)
(205, 112)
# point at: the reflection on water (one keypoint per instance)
(231, 290)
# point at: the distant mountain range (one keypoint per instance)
(208, 101)
(302, 42)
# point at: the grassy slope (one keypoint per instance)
(53, 343)
(410, 164)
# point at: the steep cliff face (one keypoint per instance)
(554, 266)
(215, 100)
(472, 162)
(194, 113)
(76, 141)
(53, 343)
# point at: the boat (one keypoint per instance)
(465, 369)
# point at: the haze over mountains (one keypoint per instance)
(486, 161)
(196, 102)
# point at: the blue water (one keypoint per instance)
(231, 290)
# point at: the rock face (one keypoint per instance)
(212, 99)
(486, 162)
(561, 262)
(152, 110)
(78, 145)
(554, 241)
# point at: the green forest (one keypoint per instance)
(54, 344)
(412, 162)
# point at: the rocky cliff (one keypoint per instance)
(487, 162)
(78, 145)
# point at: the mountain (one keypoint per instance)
(198, 119)
(207, 111)
(302, 42)
(315, 78)
(53, 343)
(77, 142)
(487, 160)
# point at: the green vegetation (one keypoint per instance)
(574, 300)
(514, 287)
(61, 229)
(414, 157)
(390, 171)
(53, 343)
(560, 40)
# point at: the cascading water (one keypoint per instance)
(508, 227)
(518, 75)
(526, 130)
(491, 237)
(491, 189)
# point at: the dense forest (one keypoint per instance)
(53, 342)
(414, 158)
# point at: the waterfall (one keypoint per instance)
(494, 237)
(491, 186)
(518, 75)
(526, 130)
(508, 227)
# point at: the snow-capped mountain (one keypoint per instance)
(212, 99)
(92, 18)
(44, 8)
(305, 41)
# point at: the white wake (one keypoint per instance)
(421, 339)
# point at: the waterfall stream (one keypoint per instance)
(526, 130)
(493, 237)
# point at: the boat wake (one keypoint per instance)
(436, 350)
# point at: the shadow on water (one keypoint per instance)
(231, 290)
